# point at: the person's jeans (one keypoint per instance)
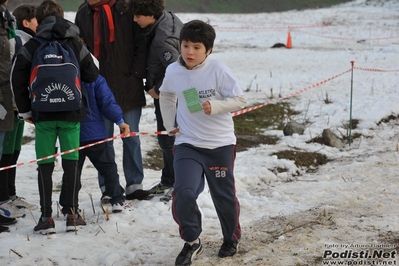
(166, 143)
(132, 159)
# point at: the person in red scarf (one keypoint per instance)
(118, 43)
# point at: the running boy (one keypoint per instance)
(206, 93)
(49, 125)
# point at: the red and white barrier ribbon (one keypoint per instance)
(376, 70)
(132, 134)
(246, 110)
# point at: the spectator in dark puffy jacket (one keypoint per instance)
(162, 31)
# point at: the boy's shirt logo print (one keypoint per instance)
(204, 94)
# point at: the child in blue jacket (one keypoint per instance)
(100, 102)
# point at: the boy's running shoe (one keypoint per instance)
(159, 188)
(228, 249)
(21, 203)
(188, 253)
(8, 209)
(46, 227)
(73, 221)
(7, 220)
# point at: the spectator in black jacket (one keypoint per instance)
(117, 42)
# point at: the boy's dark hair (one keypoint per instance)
(2, 1)
(48, 8)
(147, 7)
(22, 12)
(198, 31)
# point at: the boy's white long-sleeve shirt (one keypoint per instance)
(215, 83)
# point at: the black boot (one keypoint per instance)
(72, 184)
(12, 173)
(4, 190)
(45, 172)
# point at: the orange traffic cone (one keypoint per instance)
(289, 44)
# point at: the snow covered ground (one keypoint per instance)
(286, 219)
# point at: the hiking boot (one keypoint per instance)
(159, 188)
(105, 199)
(228, 249)
(140, 194)
(73, 221)
(7, 220)
(8, 209)
(188, 253)
(20, 203)
(45, 227)
(4, 229)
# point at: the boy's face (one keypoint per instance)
(193, 53)
(144, 21)
(32, 24)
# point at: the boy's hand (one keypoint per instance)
(152, 93)
(207, 108)
(173, 132)
(125, 129)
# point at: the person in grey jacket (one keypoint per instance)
(6, 106)
(162, 30)
(12, 143)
